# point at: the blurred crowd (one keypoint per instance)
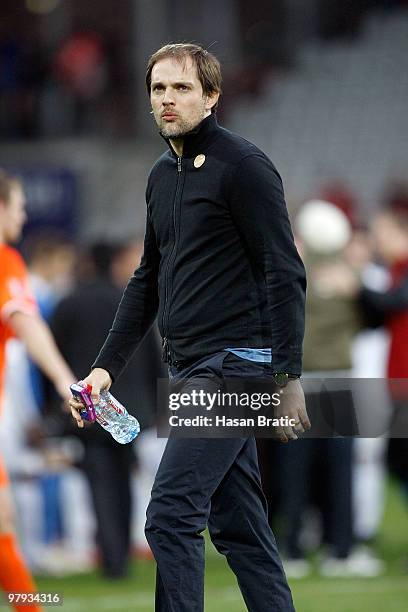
(81, 497)
(67, 70)
(74, 88)
(328, 493)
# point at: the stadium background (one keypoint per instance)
(320, 86)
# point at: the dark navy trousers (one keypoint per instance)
(216, 483)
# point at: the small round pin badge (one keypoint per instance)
(199, 160)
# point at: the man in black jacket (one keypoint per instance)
(221, 272)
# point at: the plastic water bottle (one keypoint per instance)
(114, 417)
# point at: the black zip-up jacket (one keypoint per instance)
(220, 268)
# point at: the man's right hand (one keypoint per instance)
(100, 380)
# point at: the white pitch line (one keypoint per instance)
(140, 598)
(228, 594)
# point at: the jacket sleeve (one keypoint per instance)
(259, 211)
(136, 312)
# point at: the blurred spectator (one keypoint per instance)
(369, 359)
(332, 320)
(81, 66)
(89, 83)
(20, 318)
(80, 63)
(39, 465)
(390, 233)
(74, 87)
(51, 258)
(54, 540)
(80, 325)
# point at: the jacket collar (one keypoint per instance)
(196, 141)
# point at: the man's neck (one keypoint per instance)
(177, 145)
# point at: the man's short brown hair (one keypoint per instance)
(7, 184)
(208, 67)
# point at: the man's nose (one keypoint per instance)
(168, 97)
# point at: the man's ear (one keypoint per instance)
(211, 100)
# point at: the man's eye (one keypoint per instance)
(183, 87)
(157, 88)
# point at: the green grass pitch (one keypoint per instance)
(389, 593)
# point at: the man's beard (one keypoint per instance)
(181, 127)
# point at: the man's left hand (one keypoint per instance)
(293, 406)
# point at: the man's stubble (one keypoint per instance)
(183, 126)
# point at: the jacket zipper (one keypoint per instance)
(165, 342)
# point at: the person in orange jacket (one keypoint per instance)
(19, 318)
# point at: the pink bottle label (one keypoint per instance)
(115, 406)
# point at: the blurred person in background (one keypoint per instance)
(369, 364)
(80, 65)
(50, 258)
(41, 468)
(80, 324)
(19, 317)
(332, 321)
(390, 308)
